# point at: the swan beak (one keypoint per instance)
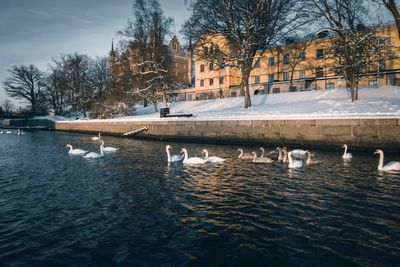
(376, 152)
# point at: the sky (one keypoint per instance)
(35, 31)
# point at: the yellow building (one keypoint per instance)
(273, 70)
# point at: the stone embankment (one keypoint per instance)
(359, 133)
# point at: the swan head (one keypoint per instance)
(378, 151)
(261, 148)
(102, 142)
(68, 145)
(344, 146)
(254, 153)
(240, 150)
(168, 146)
(183, 150)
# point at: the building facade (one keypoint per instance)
(275, 72)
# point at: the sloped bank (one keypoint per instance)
(359, 133)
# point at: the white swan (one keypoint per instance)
(310, 160)
(260, 159)
(192, 160)
(294, 163)
(76, 151)
(108, 148)
(299, 152)
(391, 166)
(96, 138)
(173, 158)
(95, 155)
(345, 154)
(212, 159)
(243, 155)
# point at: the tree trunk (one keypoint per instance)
(392, 7)
(165, 99)
(245, 85)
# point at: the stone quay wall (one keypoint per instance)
(358, 133)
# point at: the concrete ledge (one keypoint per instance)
(358, 133)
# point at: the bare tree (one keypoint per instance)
(355, 48)
(394, 9)
(294, 53)
(247, 26)
(8, 106)
(149, 57)
(25, 82)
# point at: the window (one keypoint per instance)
(320, 53)
(330, 86)
(202, 68)
(221, 80)
(381, 64)
(372, 82)
(233, 94)
(257, 65)
(270, 61)
(338, 71)
(319, 72)
(211, 65)
(257, 79)
(302, 74)
(201, 83)
(271, 78)
(286, 76)
(286, 58)
(211, 81)
(189, 97)
(276, 90)
(302, 55)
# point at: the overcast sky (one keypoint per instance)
(35, 31)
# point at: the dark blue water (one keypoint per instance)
(132, 209)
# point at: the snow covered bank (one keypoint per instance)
(373, 102)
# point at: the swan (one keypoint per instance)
(96, 138)
(391, 166)
(76, 151)
(294, 163)
(285, 155)
(260, 159)
(299, 152)
(95, 155)
(212, 159)
(345, 154)
(108, 148)
(173, 158)
(243, 155)
(192, 160)
(1, 132)
(310, 160)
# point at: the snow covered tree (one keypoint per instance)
(149, 56)
(356, 48)
(394, 8)
(25, 82)
(247, 26)
(294, 53)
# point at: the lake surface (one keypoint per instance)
(133, 209)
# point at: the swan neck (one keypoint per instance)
(186, 154)
(206, 153)
(308, 158)
(241, 153)
(168, 155)
(345, 150)
(290, 160)
(101, 150)
(380, 165)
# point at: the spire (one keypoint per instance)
(112, 52)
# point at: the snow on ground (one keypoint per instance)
(381, 101)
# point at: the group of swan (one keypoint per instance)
(18, 132)
(92, 155)
(185, 159)
(295, 158)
